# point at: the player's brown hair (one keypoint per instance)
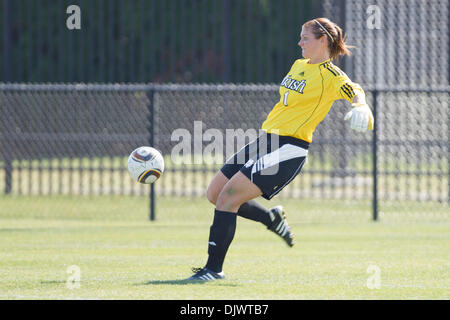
(336, 39)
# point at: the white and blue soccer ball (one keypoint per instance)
(145, 165)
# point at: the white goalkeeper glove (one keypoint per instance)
(360, 117)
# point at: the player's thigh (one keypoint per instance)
(215, 187)
(229, 169)
(237, 191)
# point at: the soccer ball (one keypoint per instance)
(145, 165)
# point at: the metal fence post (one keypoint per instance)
(8, 171)
(7, 76)
(6, 152)
(151, 109)
(375, 157)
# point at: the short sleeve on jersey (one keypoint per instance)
(346, 89)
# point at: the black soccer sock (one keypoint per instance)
(221, 234)
(254, 211)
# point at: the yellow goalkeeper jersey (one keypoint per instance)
(306, 95)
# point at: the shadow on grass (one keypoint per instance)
(185, 282)
(16, 229)
(53, 281)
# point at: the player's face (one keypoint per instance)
(311, 47)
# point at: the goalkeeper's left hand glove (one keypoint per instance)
(361, 117)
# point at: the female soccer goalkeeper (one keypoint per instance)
(265, 166)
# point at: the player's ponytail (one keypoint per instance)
(339, 47)
(336, 39)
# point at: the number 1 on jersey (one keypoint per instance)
(285, 98)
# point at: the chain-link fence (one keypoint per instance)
(397, 43)
(60, 141)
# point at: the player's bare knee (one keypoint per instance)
(211, 195)
(227, 200)
(215, 187)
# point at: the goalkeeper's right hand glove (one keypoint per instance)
(360, 117)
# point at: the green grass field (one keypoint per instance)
(122, 255)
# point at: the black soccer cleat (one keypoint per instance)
(280, 226)
(204, 274)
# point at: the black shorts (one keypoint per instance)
(270, 162)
